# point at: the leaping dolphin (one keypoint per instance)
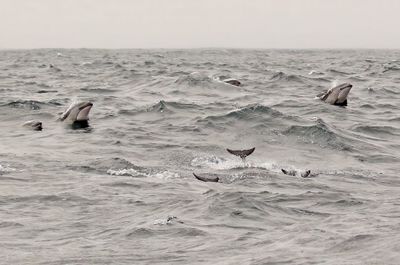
(77, 114)
(336, 95)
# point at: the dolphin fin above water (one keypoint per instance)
(289, 172)
(304, 174)
(206, 179)
(241, 153)
(232, 81)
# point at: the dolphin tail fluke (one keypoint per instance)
(206, 179)
(241, 153)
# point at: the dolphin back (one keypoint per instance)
(206, 179)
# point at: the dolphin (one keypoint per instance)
(206, 179)
(304, 174)
(337, 95)
(34, 125)
(241, 153)
(232, 81)
(77, 114)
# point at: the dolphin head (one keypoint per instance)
(337, 95)
(34, 125)
(77, 113)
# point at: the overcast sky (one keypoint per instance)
(199, 23)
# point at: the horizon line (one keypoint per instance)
(192, 48)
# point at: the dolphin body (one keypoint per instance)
(304, 174)
(77, 115)
(206, 179)
(336, 95)
(34, 125)
(232, 81)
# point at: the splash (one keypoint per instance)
(6, 168)
(218, 163)
(135, 173)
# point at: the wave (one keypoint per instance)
(377, 130)
(338, 72)
(355, 78)
(33, 83)
(315, 72)
(319, 133)
(171, 106)
(233, 203)
(256, 115)
(99, 90)
(254, 110)
(6, 169)
(121, 167)
(25, 104)
(10, 224)
(97, 63)
(31, 104)
(102, 165)
(390, 91)
(397, 119)
(60, 198)
(281, 76)
(220, 163)
(391, 68)
(162, 107)
(249, 112)
(132, 172)
(194, 79)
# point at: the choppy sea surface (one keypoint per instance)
(122, 190)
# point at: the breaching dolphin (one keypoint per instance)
(77, 114)
(337, 95)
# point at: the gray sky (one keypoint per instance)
(199, 23)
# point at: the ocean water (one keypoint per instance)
(122, 190)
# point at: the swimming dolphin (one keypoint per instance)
(232, 81)
(77, 114)
(305, 174)
(34, 125)
(336, 95)
(206, 179)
